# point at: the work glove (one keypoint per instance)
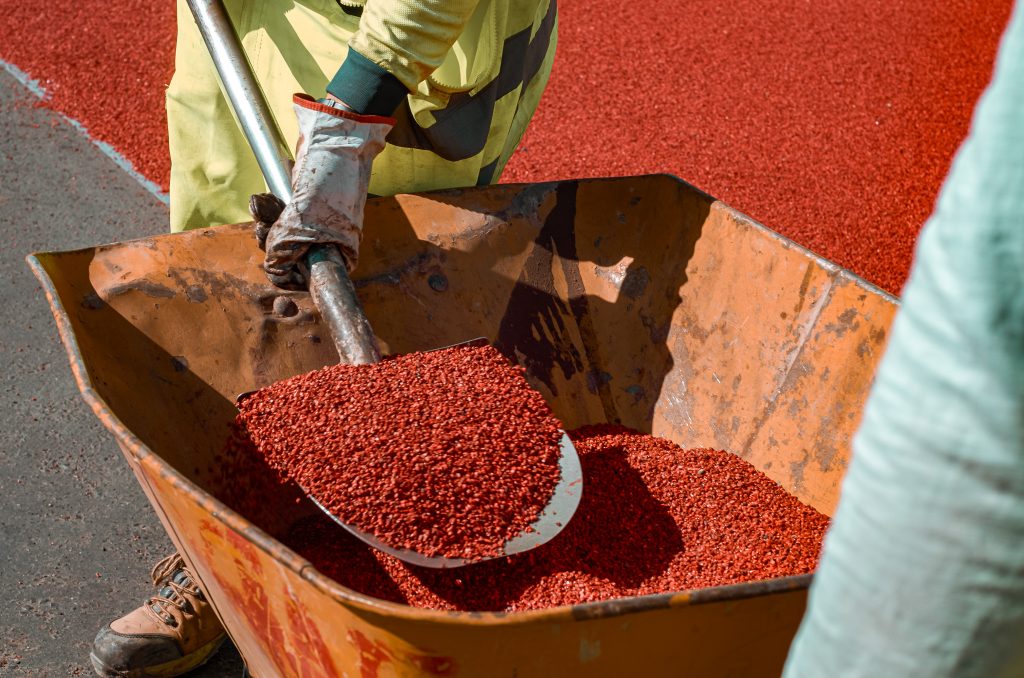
(335, 151)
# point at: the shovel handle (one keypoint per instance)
(244, 94)
(333, 293)
(334, 296)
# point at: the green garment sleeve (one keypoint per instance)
(399, 43)
(922, 572)
(365, 87)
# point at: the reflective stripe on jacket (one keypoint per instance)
(457, 126)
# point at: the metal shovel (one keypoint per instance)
(332, 291)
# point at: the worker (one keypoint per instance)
(394, 96)
(922, 572)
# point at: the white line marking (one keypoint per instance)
(106, 149)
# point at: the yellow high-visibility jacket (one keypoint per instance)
(461, 77)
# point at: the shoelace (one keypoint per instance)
(178, 582)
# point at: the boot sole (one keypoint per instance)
(166, 670)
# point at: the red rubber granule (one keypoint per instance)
(104, 64)
(654, 518)
(242, 479)
(448, 453)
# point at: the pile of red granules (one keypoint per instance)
(654, 518)
(447, 453)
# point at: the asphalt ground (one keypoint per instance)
(77, 535)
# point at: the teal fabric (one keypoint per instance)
(923, 569)
(365, 87)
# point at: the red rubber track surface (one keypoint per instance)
(105, 63)
(832, 121)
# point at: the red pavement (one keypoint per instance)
(105, 63)
(832, 122)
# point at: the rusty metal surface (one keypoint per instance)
(638, 300)
(335, 298)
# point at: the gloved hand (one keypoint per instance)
(335, 151)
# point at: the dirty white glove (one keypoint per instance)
(335, 151)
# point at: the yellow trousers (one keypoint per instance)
(445, 137)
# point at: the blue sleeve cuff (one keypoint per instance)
(366, 87)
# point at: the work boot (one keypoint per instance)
(170, 634)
